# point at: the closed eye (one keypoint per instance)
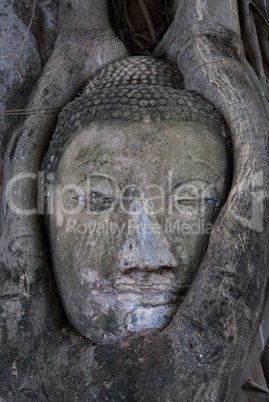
(190, 201)
(99, 202)
(94, 196)
(79, 198)
(196, 205)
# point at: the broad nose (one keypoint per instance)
(146, 247)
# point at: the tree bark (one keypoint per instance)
(211, 57)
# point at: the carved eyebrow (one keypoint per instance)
(108, 184)
(186, 182)
(101, 158)
(212, 167)
(213, 192)
(97, 177)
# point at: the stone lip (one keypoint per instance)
(147, 299)
(156, 282)
(151, 293)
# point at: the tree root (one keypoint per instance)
(24, 40)
(45, 110)
(138, 36)
(261, 91)
(262, 25)
(148, 19)
(257, 386)
(255, 31)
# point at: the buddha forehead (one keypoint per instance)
(153, 152)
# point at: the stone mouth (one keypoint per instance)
(152, 283)
(142, 296)
(149, 289)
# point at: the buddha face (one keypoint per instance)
(134, 209)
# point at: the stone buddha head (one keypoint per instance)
(138, 169)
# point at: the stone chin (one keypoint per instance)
(119, 320)
(150, 318)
